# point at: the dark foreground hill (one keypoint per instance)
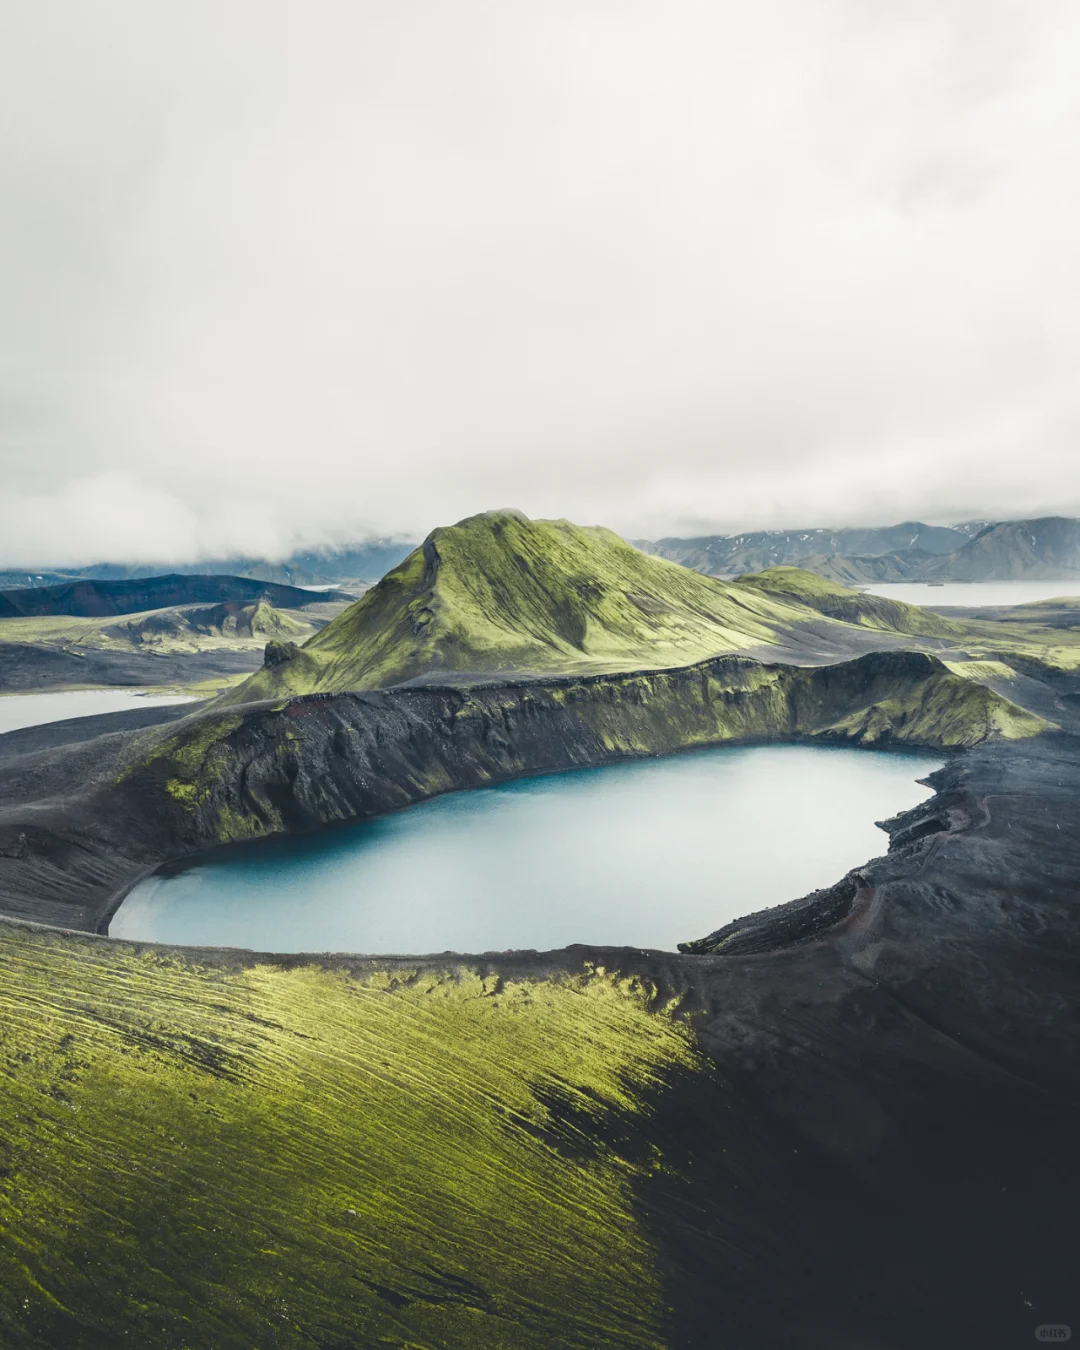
(100, 599)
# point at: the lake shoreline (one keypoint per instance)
(623, 853)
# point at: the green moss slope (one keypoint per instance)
(502, 593)
(850, 606)
(196, 1156)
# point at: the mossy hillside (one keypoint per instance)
(943, 713)
(183, 629)
(501, 593)
(291, 1156)
(901, 698)
(257, 623)
(982, 648)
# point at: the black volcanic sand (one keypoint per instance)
(896, 1058)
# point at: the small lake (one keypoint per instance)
(32, 710)
(647, 854)
(976, 594)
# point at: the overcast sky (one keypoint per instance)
(280, 273)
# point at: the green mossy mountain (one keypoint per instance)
(501, 594)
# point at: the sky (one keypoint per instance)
(280, 275)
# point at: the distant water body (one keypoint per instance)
(645, 854)
(31, 710)
(976, 594)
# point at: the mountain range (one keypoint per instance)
(357, 565)
(1047, 548)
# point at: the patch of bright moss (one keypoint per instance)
(286, 1157)
(190, 756)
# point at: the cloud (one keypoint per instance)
(278, 273)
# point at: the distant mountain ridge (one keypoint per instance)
(758, 550)
(1047, 548)
(87, 598)
(355, 562)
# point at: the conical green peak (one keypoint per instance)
(499, 593)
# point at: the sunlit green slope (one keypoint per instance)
(234, 1155)
(501, 593)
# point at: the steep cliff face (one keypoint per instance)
(237, 775)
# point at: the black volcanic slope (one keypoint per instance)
(98, 599)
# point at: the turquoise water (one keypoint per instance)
(645, 854)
